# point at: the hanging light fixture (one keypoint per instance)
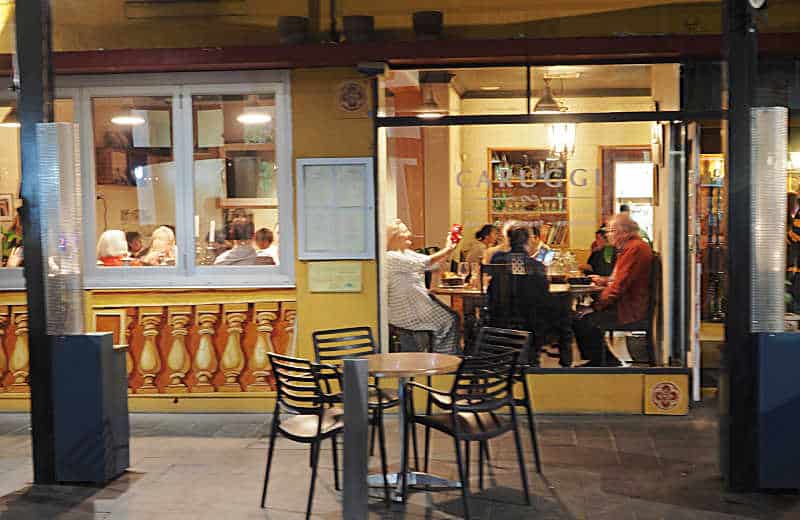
(253, 113)
(562, 135)
(128, 117)
(429, 109)
(11, 120)
(562, 139)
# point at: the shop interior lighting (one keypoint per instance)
(254, 116)
(794, 160)
(429, 109)
(547, 104)
(11, 120)
(128, 118)
(562, 135)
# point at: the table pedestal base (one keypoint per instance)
(415, 479)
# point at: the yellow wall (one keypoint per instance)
(584, 206)
(320, 129)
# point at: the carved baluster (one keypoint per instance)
(205, 359)
(290, 317)
(19, 361)
(130, 324)
(149, 359)
(265, 314)
(232, 361)
(3, 327)
(178, 359)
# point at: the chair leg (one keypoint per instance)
(467, 461)
(522, 470)
(336, 484)
(481, 449)
(464, 480)
(531, 423)
(486, 452)
(270, 453)
(427, 448)
(384, 466)
(404, 462)
(372, 438)
(416, 448)
(314, 461)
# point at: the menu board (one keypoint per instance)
(336, 209)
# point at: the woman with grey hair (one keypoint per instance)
(410, 305)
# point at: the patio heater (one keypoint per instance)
(90, 406)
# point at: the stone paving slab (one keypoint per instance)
(210, 466)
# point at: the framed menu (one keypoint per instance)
(336, 209)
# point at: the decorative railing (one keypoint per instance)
(174, 349)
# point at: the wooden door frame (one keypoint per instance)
(609, 155)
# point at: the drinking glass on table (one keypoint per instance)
(475, 270)
(463, 270)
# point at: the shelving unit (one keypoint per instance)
(713, 235)
(529, 185)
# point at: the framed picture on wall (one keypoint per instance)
(6, 207)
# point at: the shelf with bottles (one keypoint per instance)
(528, 212)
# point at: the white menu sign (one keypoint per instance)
(336, 209)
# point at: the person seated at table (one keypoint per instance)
(502, 242)
(135, 245)
(485, 237)
(242, 252)
(523, 301)
(624, 299)
(410, 305)
(112, 248)
(538, 249)
(601, 259)
(163, 250)
(263, 242)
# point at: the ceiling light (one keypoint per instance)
(11, 120)
(129, 118)
(254, 116)
(547, 104)
(562, 139)
(490, 87)
(429, 109)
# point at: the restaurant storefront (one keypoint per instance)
(198, 329)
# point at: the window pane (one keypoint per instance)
(235, 180)
(10, 177)
(135, 181)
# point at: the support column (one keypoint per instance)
(35, 105)
(739, 369)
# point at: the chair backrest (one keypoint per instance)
(484, 383)
(492, 339)
(298, 387)
(506, 295)
(333, 345)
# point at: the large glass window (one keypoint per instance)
(235, 180)
(135, 176)
(184, 181)
(11, 233)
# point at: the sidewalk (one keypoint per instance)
(211, 466)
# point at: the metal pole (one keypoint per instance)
(356, 421)
(739, 369)
(36, 106)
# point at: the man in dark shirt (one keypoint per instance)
(603, 255)
(519, 297)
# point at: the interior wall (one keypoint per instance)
(9, 164)
(583, 167)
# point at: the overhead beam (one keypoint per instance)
(541, 51)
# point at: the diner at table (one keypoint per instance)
(625, 295)
(410, 304)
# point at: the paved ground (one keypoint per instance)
(210, 466)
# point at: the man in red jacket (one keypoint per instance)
(625, 296)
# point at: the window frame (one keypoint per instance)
(181, 86)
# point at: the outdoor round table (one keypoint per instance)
(404, 365)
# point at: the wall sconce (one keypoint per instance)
(794, 160)
(562, 139)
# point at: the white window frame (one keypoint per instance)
(181, 86)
